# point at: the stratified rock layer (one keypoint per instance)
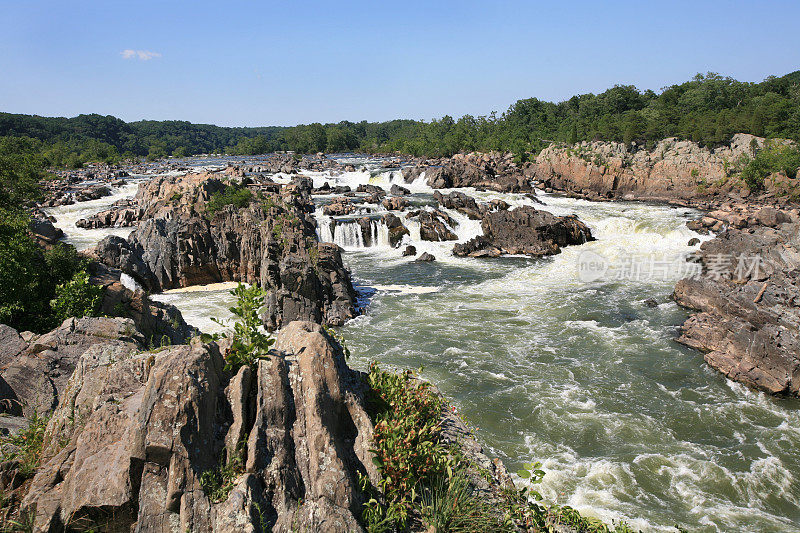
(674, 170)
(749, 302)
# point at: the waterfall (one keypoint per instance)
(351, 235)
(324, 233)
(348, 235)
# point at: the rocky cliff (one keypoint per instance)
(674, 170)
(271, 241)
(748, 298)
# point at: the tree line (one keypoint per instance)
(707, 109)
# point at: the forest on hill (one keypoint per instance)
(707, 109)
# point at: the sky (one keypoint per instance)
(259, 63)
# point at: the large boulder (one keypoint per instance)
(524, 230)
(39, 373)
(434, 225)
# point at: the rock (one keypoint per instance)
(397, 190)
(747, 301)
(651, 302)
(44, 231)
(524, 230)
(673, 170)
(493, 171)
(396, 229)
(769, 216)
(410, 251)
(694, 241)
(149, 425)
(433, 225)
(371, 189)
(410, 174)
(271, 241)
(395, 203)
(339, 207)
(39, 374)
(425, 258)
(121, 216)
(460, 202)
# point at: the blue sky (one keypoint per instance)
(281, 63)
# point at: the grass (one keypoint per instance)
(25, 448)
(218, 482)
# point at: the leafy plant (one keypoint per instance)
(249, 343)
(218, 482)
(406, 446)
(231, 195)
(25, 447)
(77, 298)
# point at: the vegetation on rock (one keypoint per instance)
(231, 195)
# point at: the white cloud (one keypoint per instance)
(141, 55)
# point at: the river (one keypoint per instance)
(583, 376)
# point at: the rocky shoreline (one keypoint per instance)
(747, 291)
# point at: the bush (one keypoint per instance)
(231, 195)
(30, 275)
(406, 446)
(771, 159)
(249, 343)
(77, 297)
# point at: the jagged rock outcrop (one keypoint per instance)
(130, 442)
(434, 225)
(38, 373)
(272, 241)
(395, 203)
(138, 436)
(674, 170)
(460, 202)
(160, 323)
(339, 207)
(396, 229)
(492, 171)
(524, 230)
(748, 296)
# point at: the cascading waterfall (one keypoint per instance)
(348, 235)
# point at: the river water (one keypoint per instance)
(583, 376)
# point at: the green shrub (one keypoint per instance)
(25, 447)
(772, 158)
(218, 482)
(77, 297)
(29, 275)
(406, 446)
(249, 343)
(230, 195)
